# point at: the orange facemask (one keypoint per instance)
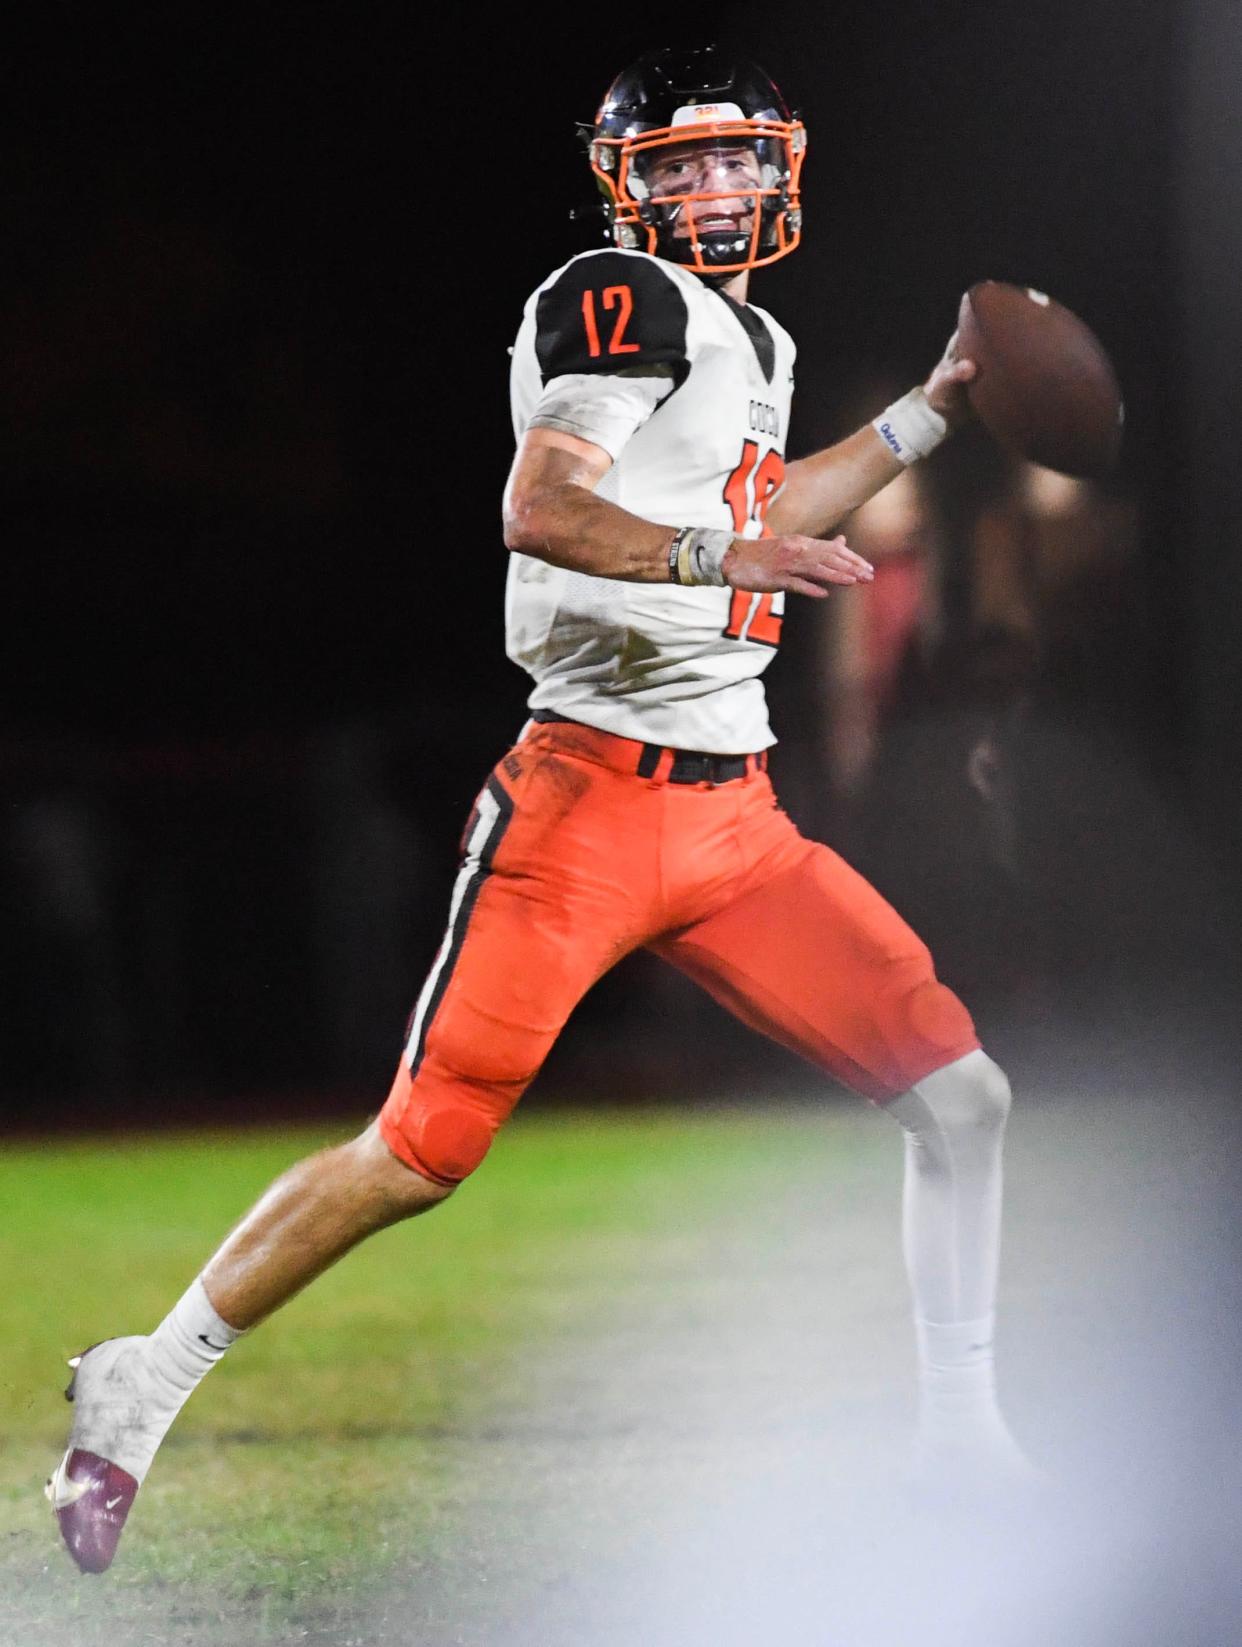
(651, 210)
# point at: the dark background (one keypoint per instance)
(263, 274)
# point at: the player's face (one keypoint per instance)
(728, 175)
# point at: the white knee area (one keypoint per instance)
(964, 1104)
(954, 1122)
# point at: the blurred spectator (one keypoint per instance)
(870, 635)
(370, 914)
(66, 1026)
(921, 698)
(1048, 598)
(1012, 805)
(185, 921)
(1051, 590)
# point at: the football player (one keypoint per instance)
(655, 530)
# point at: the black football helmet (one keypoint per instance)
(682, 127)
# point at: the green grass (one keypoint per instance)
(363, 1428)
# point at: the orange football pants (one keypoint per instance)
(571, 859)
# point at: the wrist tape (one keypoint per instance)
(696, 555)
(910, 428)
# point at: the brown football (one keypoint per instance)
(1045, 387)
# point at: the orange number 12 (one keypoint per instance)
(752, 614)
(615, 297)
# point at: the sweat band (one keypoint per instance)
(910, 428)
(696, 555)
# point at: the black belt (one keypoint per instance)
(689, 765)
(696, 766)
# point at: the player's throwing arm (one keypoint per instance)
(552, 511)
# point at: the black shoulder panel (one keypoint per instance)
(610, 312)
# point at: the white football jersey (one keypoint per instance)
(689, 392)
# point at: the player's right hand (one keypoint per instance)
(945, 387)
(804, 566)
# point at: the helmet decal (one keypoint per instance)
(689, 113)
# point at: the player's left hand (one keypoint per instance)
(945, 387)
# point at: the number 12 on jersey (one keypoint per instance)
(615, 297)
(748, 492)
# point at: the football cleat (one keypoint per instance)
(90, 1494)
(975, 1475)
(91, 1498)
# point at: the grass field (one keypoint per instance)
(629, 1386)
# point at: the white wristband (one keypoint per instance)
(696, 555)
(910, 427)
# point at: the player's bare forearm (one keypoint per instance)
(551, 511)
(821, 490)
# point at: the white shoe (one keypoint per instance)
(973, 1471)
(92, 1490)
(117, 1412)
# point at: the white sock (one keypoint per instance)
(188, 1342)
(957, 1383)
(954, 1122)
(128, 1391)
